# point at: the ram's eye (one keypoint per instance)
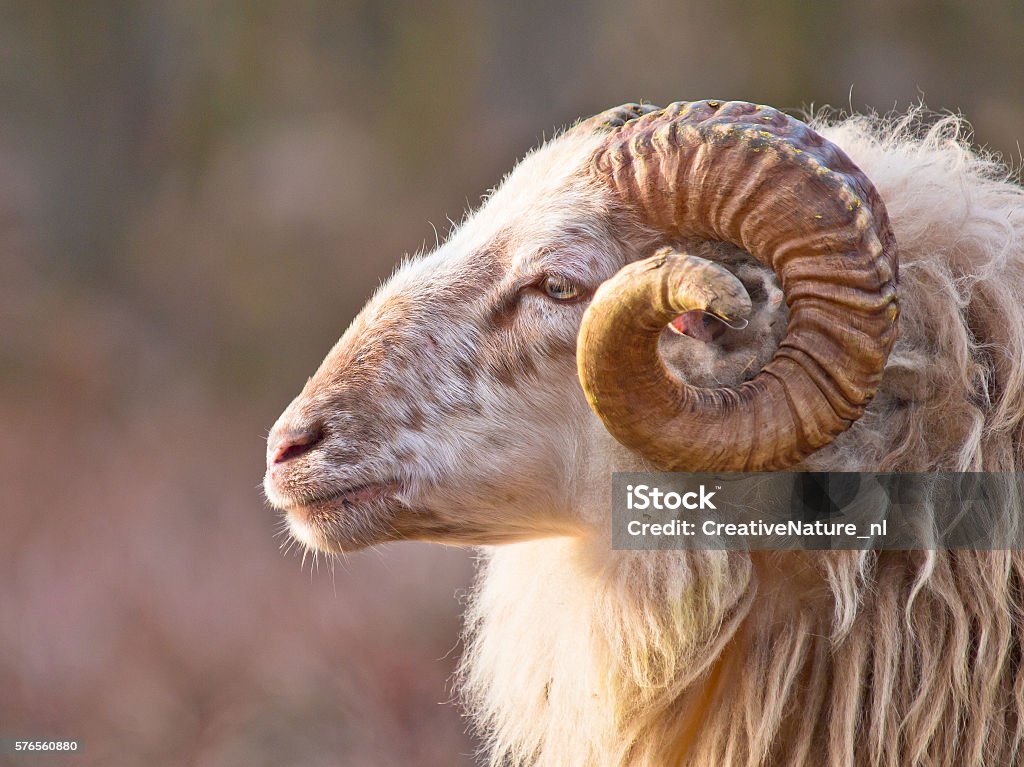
(559, 288)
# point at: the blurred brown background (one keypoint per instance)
(195, 198)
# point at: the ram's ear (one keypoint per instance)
(697, 324)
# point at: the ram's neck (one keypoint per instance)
(578, 657)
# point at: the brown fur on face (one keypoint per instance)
(453, 388)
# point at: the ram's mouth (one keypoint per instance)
(342, 498)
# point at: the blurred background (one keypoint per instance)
(195, 199)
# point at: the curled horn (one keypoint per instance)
(765, 182)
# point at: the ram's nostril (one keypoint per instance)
(292, 444)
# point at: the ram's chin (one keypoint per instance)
(350, 527)
(346, 524)
(339, 527)
(362, 516)
(313, 537)
(304, 532)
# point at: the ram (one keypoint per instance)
(845, 297)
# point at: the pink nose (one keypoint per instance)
(292, 443)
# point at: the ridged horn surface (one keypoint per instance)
(767, 183)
